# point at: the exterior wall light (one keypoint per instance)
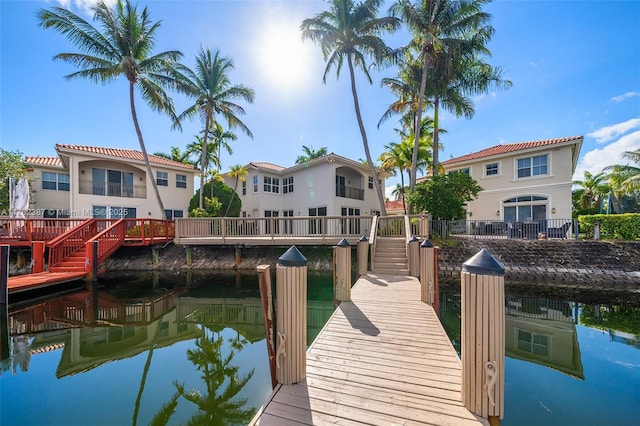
(497, 212)
(553, 210)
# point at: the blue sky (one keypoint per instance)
(575, 68)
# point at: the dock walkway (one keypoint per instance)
(383, 358)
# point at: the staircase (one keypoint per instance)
(75, 262)
(391, 256)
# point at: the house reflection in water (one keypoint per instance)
(93, 328)
(543, 332)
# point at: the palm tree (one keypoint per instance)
(177, 155)
(310, 154)
(213, 93)
(595, 187)
(221, 139)
(435, 24)
(240, 174)
(349, 31)
(627, 175)
(123, 48)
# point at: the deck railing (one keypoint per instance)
(25, 231)
(498, 229)
(274, 227)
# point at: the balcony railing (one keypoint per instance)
(349, 192)
(112, 189)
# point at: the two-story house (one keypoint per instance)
(331, 185)
(88, 181)
(522, 182)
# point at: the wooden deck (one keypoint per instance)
(26, 282)
(381, 359)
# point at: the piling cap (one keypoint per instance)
(413, 239)
(292, 257)
(363, 238)
(482, 263)
(426, 244)
(344, 243)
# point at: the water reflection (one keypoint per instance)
(190, 348)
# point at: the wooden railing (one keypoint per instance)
(109, 240)
(274, 227)
(142, 232)
(25, 231)
(71, 241)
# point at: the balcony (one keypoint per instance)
(112, 189)
(349, 192)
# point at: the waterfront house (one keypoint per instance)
(331, 185)
(522, 182)
(89, 181)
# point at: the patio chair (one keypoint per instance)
(560, 232)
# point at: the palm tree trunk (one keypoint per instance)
(436, 135)
(418, 122)
(372, 166)
(203, 160)
(233, 194)
(154, 184)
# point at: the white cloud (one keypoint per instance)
(387, 192)
(596, 160)
(608, 133)
(83, 5)
(625, 96)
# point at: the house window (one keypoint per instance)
(162, 178)
(491, 169)
(288, 224)
(287, 185)
(525, 208)
(271, 184)
(255, 184)
(244, 187)
(534, 343)
(173, 214)
(272, 226)
(315, 225)
(55, 181)
(532, 166)
(370, 183)
(181, 181)
(466, 171)
(350, 226)
(113, 183)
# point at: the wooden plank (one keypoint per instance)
(383, 358)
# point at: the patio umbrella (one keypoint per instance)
(20, 198)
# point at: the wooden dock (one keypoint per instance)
(19, 283)
(383, 358)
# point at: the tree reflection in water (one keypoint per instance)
(219, 405)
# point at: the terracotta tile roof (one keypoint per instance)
(508, 148)
(268, 166)
(128, 154)
(394, 205)
(43, 161)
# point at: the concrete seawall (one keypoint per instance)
(568, 264)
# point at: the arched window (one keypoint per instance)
(525, 208)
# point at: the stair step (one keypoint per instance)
(397, 271)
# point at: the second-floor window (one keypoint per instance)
(162, 178)
(491, 169)
(287, 185)
(371, 182)
(244, 187)
(532, 166)
(271, 184)
(181, 181)
(255, 184)
(466, 171)
(55, 181)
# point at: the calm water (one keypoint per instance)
(178, 349)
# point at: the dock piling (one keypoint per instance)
(4, 302)
(342, 271)
(291, 317)
(414, 257)
(483, 338)
(363, 256)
